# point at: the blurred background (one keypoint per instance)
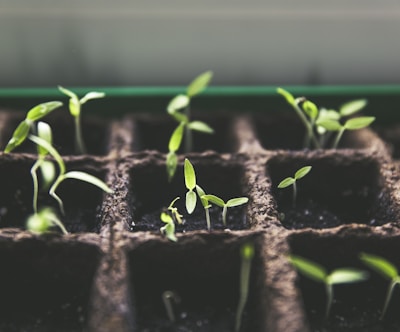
(168, 42)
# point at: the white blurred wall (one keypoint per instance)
(245, 42)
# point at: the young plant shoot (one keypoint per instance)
(64, 175)
(225, 205)
(36, 113)
(319, 274)
(206, 205)
(385, 269)
(190, 183)
(169, 228)
(246, 254)
(170, 299)
(75, 106)
(185, 127)
(289, 181)
(41, 222)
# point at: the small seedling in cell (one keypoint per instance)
(385, 269)
(75, 106)
(169, 228)
(246, 255)
(289, 181)
(225, 205)
(174, 212)
(41, 222)
(319, 274)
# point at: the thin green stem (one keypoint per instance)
(53, 194)
(79, 143)
(208, 218)
(224, 211)
(310, 137)
(338, 137)
(60, 225)
(294, 194)
(34, 169)
(329, 299)
(244, 291)
(389, 293)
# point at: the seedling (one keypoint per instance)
(246, 254)
(75, 106)
(40, 222)
(36, 113)
(318, 273)
(230, 203)
(385, 269)
(169, 228)
(206, 205)
(169, 299)
(185, 127)
(174, 212)
(190, 183)
(64, 175)
(289, 181)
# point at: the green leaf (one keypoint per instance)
(352, 107)
(67, 92)
(302, 172)
(82, 176)
(346, 275)
(325, 114)
(191, 200)
(237, 201)
(287, 95)
(19, 136)
(42, 110)
(311, 109)
(176, 138)
(380, 265)
(54, 153)
(92, 95)
(165, 217)
(177, 103)
(214, 199)
(200, 191)
(44, 132)
(286, 182)
(48, 172)
(169, 230)
(308, 268)
(74, 107)
(199, 83)
(359, 123)
(181, 118)
(38, 223)
(172, 163)
(190, 175)
(201, 126)
(247, 251)
(331, 125)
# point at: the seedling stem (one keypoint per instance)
(169, 299)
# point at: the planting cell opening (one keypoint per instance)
(357, 306)
(336, 191)
(205, 276)
(151, 193)
(153, 133)
(45, 286)
(82, 201)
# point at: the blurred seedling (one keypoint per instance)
(41, 222)
(75, 106)
(246, 254)
(233, 202)
(63, 174)
(190, 183)
(179, 109)
(289, 181)
(170, 299)
(169, 228)
(319, 274)
(206, 205)
(385, 269)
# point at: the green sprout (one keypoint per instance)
(47, 167)
(40, 222)
(190, 183)
(169, 228)
(185, 127)
(246, 253)
(206, 205)
(289, 181)
(319, 274)
(23, 129)
(225, 205)
(64, 175)
(169, 299)
(75, 105)
(387, 270)
(174, 212)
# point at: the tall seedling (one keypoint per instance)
(75, 106)
(289, 181)
(186, 125)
